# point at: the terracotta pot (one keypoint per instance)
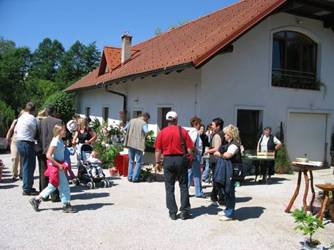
(113, 171)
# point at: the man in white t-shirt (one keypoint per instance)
(268, 143)
(26, 129)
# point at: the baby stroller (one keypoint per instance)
(85, 171)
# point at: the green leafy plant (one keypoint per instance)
(282, 163)
(308, 224)
(108, 143)
(145, 174)
(150, 141)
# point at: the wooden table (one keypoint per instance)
(305, 168)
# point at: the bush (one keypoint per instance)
(282, 163)
(7, 115)
(63, 103)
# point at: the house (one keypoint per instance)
(255, 63)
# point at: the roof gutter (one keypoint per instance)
(125, 102)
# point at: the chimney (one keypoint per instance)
(126, 47)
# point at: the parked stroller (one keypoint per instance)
(90, 175)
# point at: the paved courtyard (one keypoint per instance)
(133, 216)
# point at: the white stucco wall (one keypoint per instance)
(242, 79)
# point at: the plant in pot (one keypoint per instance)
(146, 175)
(108, 145)
(308, 224)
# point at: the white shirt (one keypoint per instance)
(195, 137)
(264, 142)
(26, 127)
(232, 149)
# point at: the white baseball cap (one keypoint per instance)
(72, 126)
(171, 115)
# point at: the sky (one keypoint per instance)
(28, 22)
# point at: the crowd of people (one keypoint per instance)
(199, 154)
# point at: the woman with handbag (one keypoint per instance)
(231, 156)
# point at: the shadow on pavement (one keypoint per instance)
(210, 210)
(88, 196)
(246, 213)
(272, 181)
(84, 207)
(242, 199)
(8, 186)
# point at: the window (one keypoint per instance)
(105, 114)
(87, 112)
(294, 61)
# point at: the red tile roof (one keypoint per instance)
(193, 43)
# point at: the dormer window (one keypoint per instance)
(294, 61)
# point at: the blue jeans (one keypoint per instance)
(135, 158)
(28, 161)
(230, 200)
(64, 189)
(205, 176)
(195, 173)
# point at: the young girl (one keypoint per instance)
(55, 172)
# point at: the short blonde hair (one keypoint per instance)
(42, 114)
(82, 123)
(232, 131)
(57, 129)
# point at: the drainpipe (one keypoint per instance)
(125, 102)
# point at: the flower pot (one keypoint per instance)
(305, 245)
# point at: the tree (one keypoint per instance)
(14, 67)
(63, 103)
(77, 62)
(6, 45)
(46, 59)
(7, 115)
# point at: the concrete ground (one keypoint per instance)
(134, 216)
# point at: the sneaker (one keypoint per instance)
(173, 216)
(225, 218)
(31, 193)
(69, 209)
(35, 204)
(185, 215)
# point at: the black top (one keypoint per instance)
(85, 136)
(205, 141)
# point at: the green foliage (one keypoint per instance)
(107, 143)
(149, 141)
(63, 103)
(7, 115)
(145, 174)
(307, 223)
(282, 163)
(95, 124)
(14, 66)
(77, 61)
(46, 59)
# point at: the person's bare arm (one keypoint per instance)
(158, 164)
(10, 132)
(75, 137)
(278, 146)
(49, 154)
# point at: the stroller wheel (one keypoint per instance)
(76, 181)
(105, 183)
(91, 185)
(109, 183)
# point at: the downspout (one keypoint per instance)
(125, 101)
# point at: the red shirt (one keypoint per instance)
(168, 140)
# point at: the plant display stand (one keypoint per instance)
(326, 188)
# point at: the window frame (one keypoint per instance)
(317, 65)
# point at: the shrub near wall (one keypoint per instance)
(7, 115)
(63, 103)
(282, 163)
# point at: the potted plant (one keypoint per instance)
(308, 224)
(282, 163)
(146, 175)
(108, 144)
